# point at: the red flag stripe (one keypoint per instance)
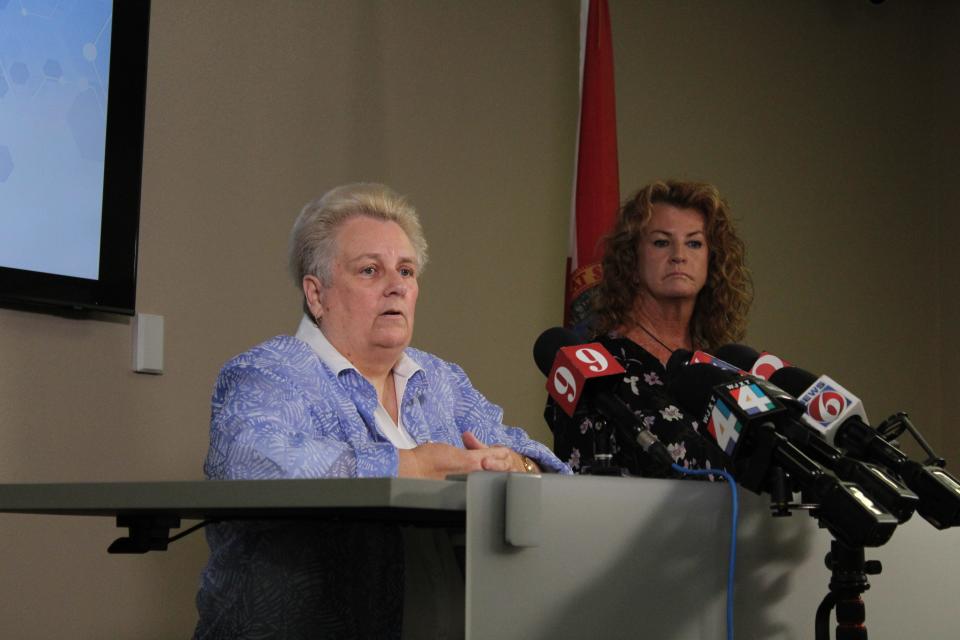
(597, 181)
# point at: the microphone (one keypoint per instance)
(881, 485)
(743, 417)
(573, 365)
(678, 359)
(682, 357)
(575, 371)
(761, 365)
(839, 417)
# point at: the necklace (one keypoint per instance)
(658, 340)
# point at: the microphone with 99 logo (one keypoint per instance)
(576, 371)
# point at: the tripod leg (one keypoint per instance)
(822, 621)
(848, 581)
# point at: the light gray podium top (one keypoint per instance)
(442, 500)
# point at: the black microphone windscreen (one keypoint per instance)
(739, 355)
(546, 347)
(678, 360)
(793, 380)
(694, 383)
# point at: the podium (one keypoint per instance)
(574, 557)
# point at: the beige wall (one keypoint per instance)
(828, 125)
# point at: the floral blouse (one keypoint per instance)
(643, 390)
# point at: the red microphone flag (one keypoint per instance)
(573, 367)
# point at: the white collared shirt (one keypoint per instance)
(405, 367)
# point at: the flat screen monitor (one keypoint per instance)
(72, 98)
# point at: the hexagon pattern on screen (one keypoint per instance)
(54, 76)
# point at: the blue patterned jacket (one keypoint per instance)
(279, 412)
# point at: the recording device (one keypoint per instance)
(576, 371)
(839, 417)
(878, 483)
(574, 365)
(827, 408)
(787, 423)
(747, 420)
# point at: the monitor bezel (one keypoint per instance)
(115, 289)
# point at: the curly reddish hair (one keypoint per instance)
(720, 313)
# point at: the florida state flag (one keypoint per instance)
(597, 180)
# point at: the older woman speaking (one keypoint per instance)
(345, 397)
(673, 278)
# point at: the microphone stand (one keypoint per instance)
(848, 581)
(602, 463)
(772, 467)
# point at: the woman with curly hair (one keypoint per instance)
(673, 278)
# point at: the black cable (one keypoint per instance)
(187, 532)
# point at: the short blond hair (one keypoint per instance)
(312, 240)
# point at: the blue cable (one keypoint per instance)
(735, 514)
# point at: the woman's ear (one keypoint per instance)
(313, 293)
